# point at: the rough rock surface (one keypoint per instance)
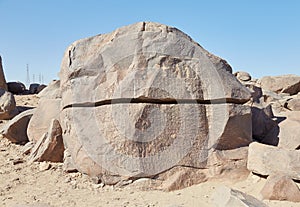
(7, 105)
(46, 110)
(52, 91)
(268, 160)
(294, 104)
(50, 147)
(16, 129)
(227, 197)
(281, 84)
(2, 77)
(243, 76)
(280, 187)
(146, 98)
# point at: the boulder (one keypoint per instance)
(16, 129)
(227, 197)
(281, 84)
(17, 88)
(52, 91)
(264, 129)
(289, 130)
(46, 110)
(7, 105)
(40, 88)
(159, 102)
(50, 147)
(293, 104)
(33, 88)
(267, 160)
(243, 76)
(2, 77)
(280, 187)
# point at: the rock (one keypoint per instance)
(16, 129)
(294, 104)
(33, 88)
(227, 197)
(17, 88)
(7, 105)
(289, 130)
(50, 147)
(267, 160)
(69, 165)
(280, 187)
(2, 77)
(159, 102)
(27, 148)
(264, 129)
(281, 84)
(52, 91)
(44, 166)
(46, 110)
(243, 76)
(40, 88)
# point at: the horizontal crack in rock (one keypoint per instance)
(155, 101)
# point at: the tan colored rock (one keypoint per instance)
(281, 84)
(2, 77)
(7, 105)
(227, 197)
(243, 76)
(16, 129)
(294, 104)
(47, 110)
(280, 187)
(50, 147)
(159, 102)
(268, 160)
(289, 133)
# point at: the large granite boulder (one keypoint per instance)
(2, 77)
(147, 98)
(281, 84)
(17, 88)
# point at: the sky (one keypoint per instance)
(261, 37)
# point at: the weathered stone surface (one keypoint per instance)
(52, 91)
(294, 104)
(69, 165)
(268, 160)
(40, 88)
(243, 76)
(47, 110)
(227, 197)
(280, 187)
(16, 87)
(16, 129)
(50, 147)
(2, 77)
(264, 129)
(289, 133)
(281, 84)
(7, 105)
(157, 103)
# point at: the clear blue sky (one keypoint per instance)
(258, 36)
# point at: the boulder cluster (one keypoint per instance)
(146, 101)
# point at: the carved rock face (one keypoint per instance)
(145, 98)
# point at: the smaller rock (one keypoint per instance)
(7, 105)
(227, 197)
(281, 84)
(281, 187)
(16, 129)
(33, 88)
(69, 165)
(16, 88)
(27, 148)
(43, 166)
(52, 91)
(293, 104)
(50, 147)
(243, 76)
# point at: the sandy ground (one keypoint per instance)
(45, 184)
